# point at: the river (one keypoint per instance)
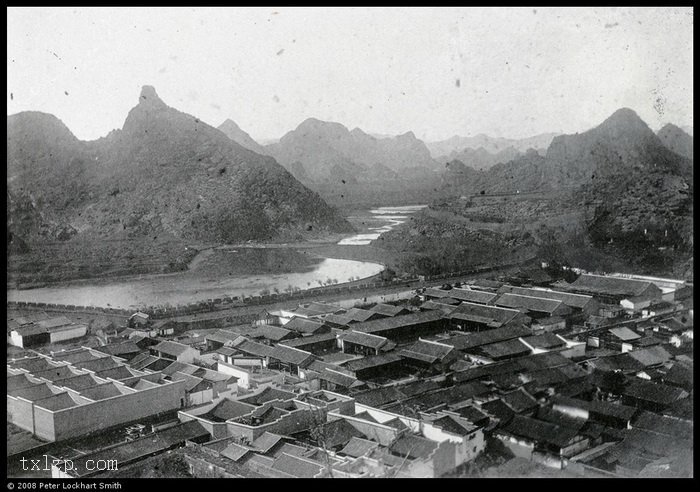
(192, 286)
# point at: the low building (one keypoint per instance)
(356, 342)
(534, 307)
(614, 289)
(389, 310)
(175, 351)
(43, 332)
(476, 317)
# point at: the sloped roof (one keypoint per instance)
(266, 442)
(624, 362)
(651, 356)
(388, 309)
(454, 425)
(254, 348)
(222, 336)
(379, 396)
(578, 301)
(118, 349)
(611, 285)
(437, 293)
(413, 446)
(539, 431)
(228, 409)
(57, 322)
(357, 447)
(372, 361)
(653, 392)
(338, 432)
(519, 400)
(337, 378)
(490, 315)
(427, 351)
(310, 340)
(437, 306)
(297, 467)
(544, 341)
(380, 325)
(475, 296)
(364, 339)
(303, 325)
(291, 355)
(476, 339)
(171, 348)
(360, 314)
(537, 304)
(235, 451)
(57, 402)
(625, 334)
(508, 348)
(79, 383)
(274, 333)
(338, 319)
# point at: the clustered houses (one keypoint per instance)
(576, 376)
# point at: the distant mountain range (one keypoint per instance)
(164, 172)
(621, 144)
(492, 145)
(328, 152)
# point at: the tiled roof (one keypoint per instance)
(54, 322)
(471, 340)
(475, 296)
(544, 341)
(266, 442)
(489, 315)
(651, 356)
(388, 309)
(508, 348)
(310, 340)
(413, 446)
(615, 410)
(357, 447)
(379, 396)
(360, 314)
(458, 426)
(519, 400)
(274, 333)
(171, 348)
(235, 451)
(578, 301)
(379, 325)
(371, 361)
(222, 336)
(297, 467)
(303, 325)
(624, 334)
(427, 351)
(291, 355)
(653, 392)
(611, 285)
(539, 431)
(338, 320)
(364, 339)
(536, 304)
(254, 348)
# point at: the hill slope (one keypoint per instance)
(164, 174)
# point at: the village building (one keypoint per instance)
(175, 351)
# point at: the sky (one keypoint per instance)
(503, 71)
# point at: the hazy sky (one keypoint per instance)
(511, 72)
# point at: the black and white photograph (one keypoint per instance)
(348, 242)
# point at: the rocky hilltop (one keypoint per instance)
(164, 174)
(234, 132)
(676, 140)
